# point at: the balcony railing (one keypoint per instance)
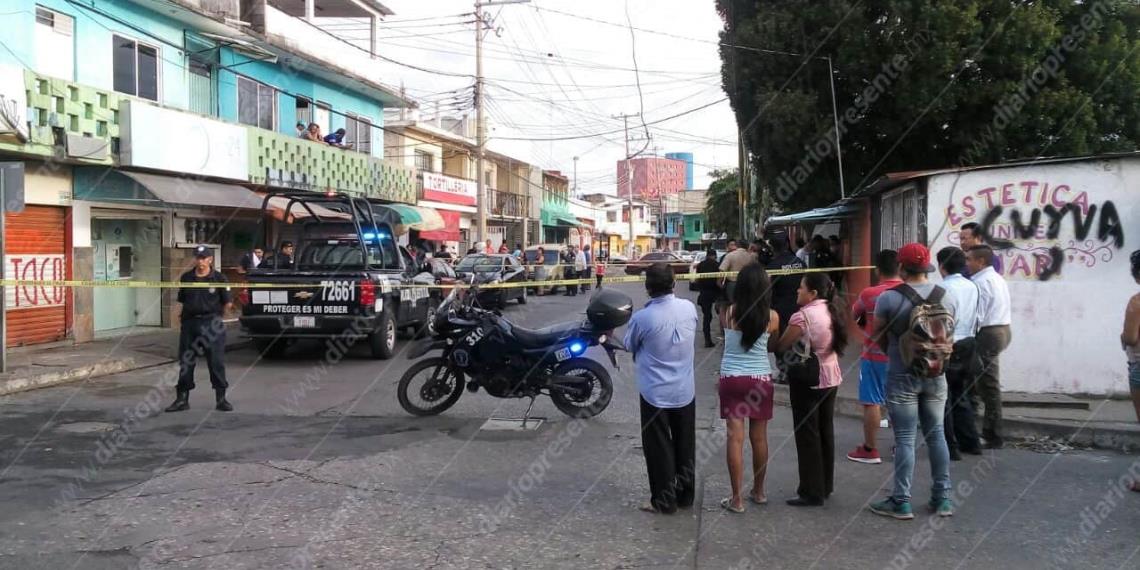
(507, 205)
(84, 125)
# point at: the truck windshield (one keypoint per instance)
(346, 254)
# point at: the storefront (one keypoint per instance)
(36, 248)
(141, 227)
(454, 199)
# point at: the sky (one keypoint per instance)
(561, 69)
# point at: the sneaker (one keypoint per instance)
(890, 508)
(941, 507)
(861, 455)
(884, 423)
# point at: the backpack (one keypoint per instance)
(929, 339)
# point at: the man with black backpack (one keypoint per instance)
(917, 331)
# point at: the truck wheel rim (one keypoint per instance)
(390, 335)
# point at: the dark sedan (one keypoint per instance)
(675, 262)
(494, 268)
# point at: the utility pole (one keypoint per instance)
(480, 130)
(629, 179)
(575, 177)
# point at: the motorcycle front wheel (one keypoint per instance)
(589, 399)
(430, 387)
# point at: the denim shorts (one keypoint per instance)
(1134, 375)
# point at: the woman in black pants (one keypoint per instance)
(812, 384)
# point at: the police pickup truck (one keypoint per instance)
(347, 281)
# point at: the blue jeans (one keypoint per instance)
(913, 401)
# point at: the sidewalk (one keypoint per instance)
(1083, 422)
(33, 367)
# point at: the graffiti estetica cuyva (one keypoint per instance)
(1039, 226)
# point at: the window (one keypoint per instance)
(55, 43)
(425, 162)
(135, 68)
(304, 111)
(611, 216)
(358, 133)
(899, 223)
(654, 257)
(257, 104)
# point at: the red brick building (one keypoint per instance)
(652, 178)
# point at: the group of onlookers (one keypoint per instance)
(312, 132)
(930, 356)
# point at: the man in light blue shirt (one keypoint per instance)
(661, 338)
(961, 299)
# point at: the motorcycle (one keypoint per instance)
(482, 349)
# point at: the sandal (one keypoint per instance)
(648, 507)
(761, 501)
(726, 504)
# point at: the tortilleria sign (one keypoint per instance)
(443, 188)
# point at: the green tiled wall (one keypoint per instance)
(94, 113)
(321, 167)
(77, 109)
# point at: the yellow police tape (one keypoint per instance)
(536, 283)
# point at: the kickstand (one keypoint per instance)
(526, 416)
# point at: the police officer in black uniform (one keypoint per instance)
(202, 330)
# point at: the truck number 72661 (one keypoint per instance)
(338, 291)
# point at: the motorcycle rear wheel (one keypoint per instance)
(585, 405)
(434, 394)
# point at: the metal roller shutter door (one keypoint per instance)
(35, 248)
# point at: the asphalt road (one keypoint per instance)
(320, 468)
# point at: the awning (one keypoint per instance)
(187, 191)
(450, 232)
(818, 214)
(567, 220)
(417, 218)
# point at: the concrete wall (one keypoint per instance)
(1066, 325)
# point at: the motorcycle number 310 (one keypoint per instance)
(338, 291)
(562, 354)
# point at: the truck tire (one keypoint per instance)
(522, 297)
(382, 342)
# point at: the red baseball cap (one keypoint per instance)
(915, 257)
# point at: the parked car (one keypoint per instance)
(490, 269)
(550, 268)
(675, 262)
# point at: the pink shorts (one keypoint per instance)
(746, 397)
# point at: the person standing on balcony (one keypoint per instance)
(302, 131)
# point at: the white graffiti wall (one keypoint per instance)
(1063, 233)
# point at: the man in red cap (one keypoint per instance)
(912, 401)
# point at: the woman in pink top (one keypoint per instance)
(812, 385)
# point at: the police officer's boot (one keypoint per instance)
(222, 405)
(181, 402)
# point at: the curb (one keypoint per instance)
(88, 371)
(1090, 434)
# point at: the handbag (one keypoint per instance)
(802, 364)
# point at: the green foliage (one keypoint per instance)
(965, 92)
(722, 210)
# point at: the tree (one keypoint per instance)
(722, 202)
(926, 84)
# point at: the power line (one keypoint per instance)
(654, 122)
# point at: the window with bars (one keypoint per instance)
(135, 68)
(257, 104)
(425, 162)
(899, 218)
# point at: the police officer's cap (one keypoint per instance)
(202, 251)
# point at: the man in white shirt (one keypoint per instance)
(993, 336)
(962, 300)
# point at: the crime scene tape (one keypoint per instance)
(508, 285)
